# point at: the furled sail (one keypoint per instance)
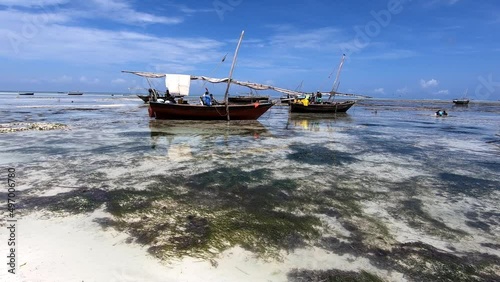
(178, 84)
(146, 74)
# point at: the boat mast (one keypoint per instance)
(336, 83)
(231, 74)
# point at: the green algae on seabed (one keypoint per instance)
(332, 275)
(418, 262)
(204, 214)
(412, 210)
(201, 215)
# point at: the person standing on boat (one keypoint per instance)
(151, 95)
(205, 98)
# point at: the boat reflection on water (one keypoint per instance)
(317, 122)
(183, 136)
(207, 128)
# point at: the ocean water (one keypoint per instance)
(389, 181)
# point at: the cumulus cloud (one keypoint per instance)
(403, 90)
(443, 92)
(379, 91)
(428, 84)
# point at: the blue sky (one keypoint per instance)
(432, 49)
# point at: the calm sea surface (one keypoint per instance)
(386, 173)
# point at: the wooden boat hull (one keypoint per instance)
(144, 98)
(27, 93)
(461, 102)
(247, 99)
(200, 112)
(335, 107)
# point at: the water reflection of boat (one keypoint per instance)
(315, 122)
(206, 128)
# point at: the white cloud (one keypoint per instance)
(55, 41)
(403, 90)
(63, 79)
(443, 92)
(434, 3)
(313, 39)
(119, 81)
(121, 11)
(31, 3)
(428, 84)
(379, 91)
(111, 10)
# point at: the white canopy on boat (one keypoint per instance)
(178, 84)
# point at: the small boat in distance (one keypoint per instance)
(463, 100)
(247, 99)
(26, 93)
(75, 93)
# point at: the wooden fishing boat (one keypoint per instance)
(178, 86)
(75, 93)
(247, 99)
(160, 110)
(325, 107)
(27, 93)
(315, 103)
(144, 98)
(461, 101)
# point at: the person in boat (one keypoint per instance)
(306, 100)
(212, 99)
(205, 98)
(169, 97)
(151, 95)
(441, 113)
(319, 97)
